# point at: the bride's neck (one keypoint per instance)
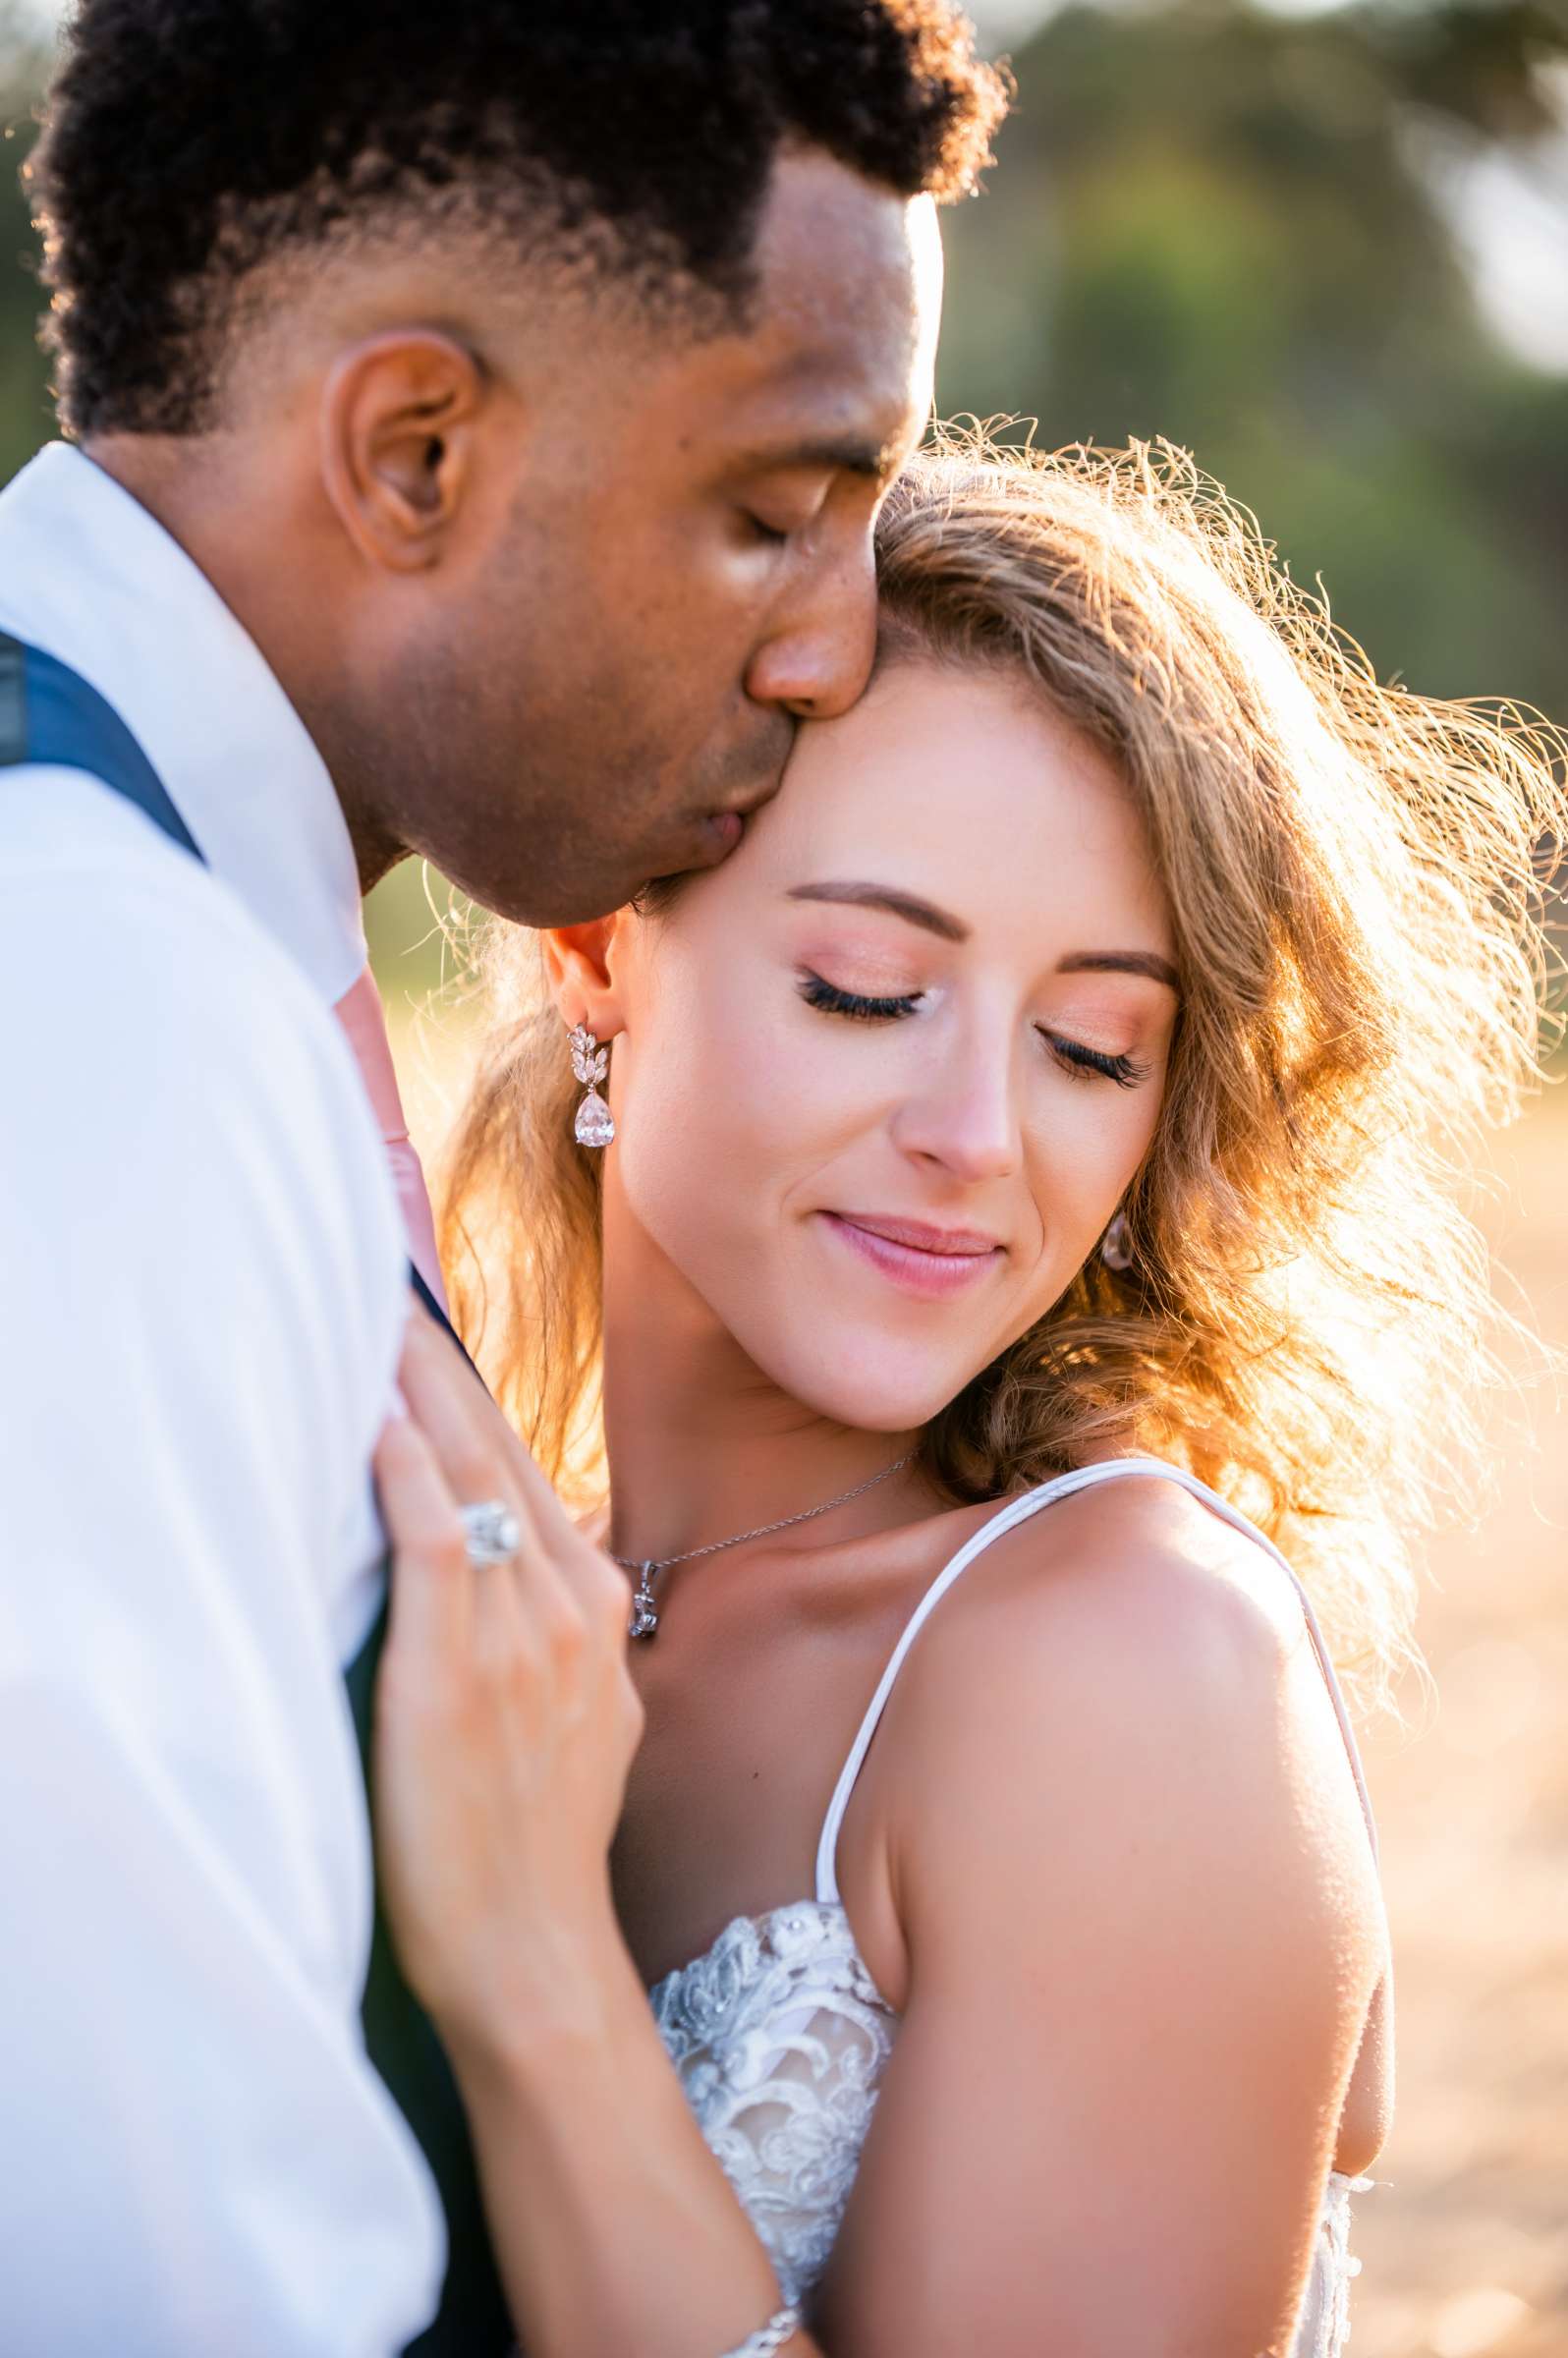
(700, 1443)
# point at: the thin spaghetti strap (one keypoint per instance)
(1006, 1519)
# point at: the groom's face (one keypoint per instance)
(675, 564)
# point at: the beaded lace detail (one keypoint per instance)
(780, 2036)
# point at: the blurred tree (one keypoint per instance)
(26, 418)
(1208, 223)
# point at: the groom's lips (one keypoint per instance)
(725, 828)
(754, 780)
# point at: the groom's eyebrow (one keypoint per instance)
(849, 454)
(907, 905)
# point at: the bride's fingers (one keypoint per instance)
(484, 1458)
(568, 1602)
(470, 1419)
(463, 1425)
(527, 1613)
(459, 1631)
(431, 1606)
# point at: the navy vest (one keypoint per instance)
(49, 714)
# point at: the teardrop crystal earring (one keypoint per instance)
(595, 1124)
(1116, 1246)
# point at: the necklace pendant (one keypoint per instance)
(644, 1619)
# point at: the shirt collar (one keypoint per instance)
(90, 576)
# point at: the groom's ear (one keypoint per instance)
(583, 963)
(399, 417)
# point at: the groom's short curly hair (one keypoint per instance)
(187, 142)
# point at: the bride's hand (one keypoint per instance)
(505, 1716)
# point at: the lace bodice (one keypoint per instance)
(781, 2037)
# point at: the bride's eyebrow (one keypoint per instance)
(926, 913)
(939, 921)
(907, 905)
(1122, 962)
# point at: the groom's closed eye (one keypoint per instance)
(785, 491)
(874, 462)
(778, 513)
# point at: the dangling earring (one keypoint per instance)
(1116, 1246)
(595, 1124)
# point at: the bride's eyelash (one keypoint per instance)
(1125, 1071)
(819, 992)
(1081, 1062)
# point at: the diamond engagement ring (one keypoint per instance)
(491, 1532)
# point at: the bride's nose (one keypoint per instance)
(964, 1115)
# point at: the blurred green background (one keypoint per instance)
(1325, 248)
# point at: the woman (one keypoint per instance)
(1046, 1113)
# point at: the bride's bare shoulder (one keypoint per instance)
(1131, 1583)
(1123, 1660)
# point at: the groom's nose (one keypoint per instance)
(816, 657)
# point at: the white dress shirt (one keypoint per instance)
(201, 1291)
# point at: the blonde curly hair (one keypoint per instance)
(1355, 877)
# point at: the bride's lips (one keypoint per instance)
(934, 1263)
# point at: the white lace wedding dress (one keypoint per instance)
(781, 2039)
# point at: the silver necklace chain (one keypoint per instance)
(644, 1619)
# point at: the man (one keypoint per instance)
(480, 418)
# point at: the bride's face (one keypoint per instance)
(886, 1075)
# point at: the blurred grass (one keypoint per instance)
(1464, 2242)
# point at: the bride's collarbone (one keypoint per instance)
(752, 1702)
(740, 1643)
(755, 1689)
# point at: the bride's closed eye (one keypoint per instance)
(1084, 1062)
(819, 992)
(1075, 1056)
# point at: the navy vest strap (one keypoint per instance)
(472, 2321)
(430, 1302)
(48, 714)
